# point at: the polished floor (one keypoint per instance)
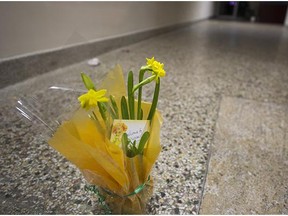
(222, 78)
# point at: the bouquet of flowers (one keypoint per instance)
(114, 138)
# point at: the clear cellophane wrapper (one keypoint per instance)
(132, 204)
(87, 145)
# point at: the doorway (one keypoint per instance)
(265, 12)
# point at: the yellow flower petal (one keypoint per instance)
(104, 99)
(100, 93)
(150, 61)
(157, 68)
(91, 98)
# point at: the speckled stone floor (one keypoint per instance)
(206, 62)
(248, 172)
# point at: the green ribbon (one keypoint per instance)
(139, 188)
(136, 191)
(101, 198)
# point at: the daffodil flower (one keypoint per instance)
(92, 97)
(157, 70)
(156, 67)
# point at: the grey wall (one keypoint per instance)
(32, 27)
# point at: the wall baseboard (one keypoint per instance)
(17, 69)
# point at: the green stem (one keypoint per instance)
(141, 76)
(141, 114)
(130, 95)
(144, 82)
(134, 174)
(155, 101)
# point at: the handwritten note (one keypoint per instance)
(133, 128)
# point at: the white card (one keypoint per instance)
(133, 128)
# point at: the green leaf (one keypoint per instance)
(104, 105)
(87, 81)
(130, 95)
(102, 110)
(143, 141)
(114, 106)
(144, 82)
(125, 142)
(132, 151)
(141, 114)
(154, 102)
(124, 108)
(114, 116)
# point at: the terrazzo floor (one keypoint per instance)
(206, 62)
(248, 172)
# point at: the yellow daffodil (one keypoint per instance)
(91, 98)
(150, 61)
(157, 68)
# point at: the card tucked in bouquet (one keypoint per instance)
(133, 128)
